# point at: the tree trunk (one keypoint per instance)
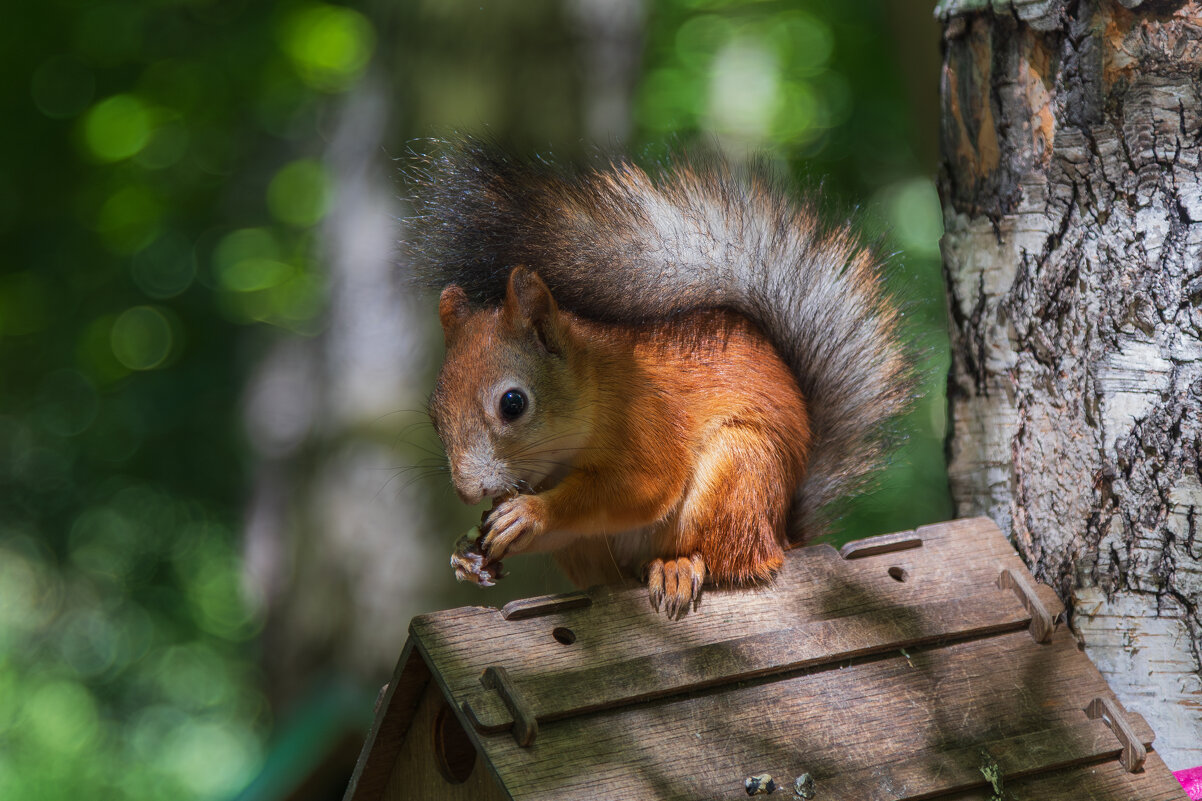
(1072, 197)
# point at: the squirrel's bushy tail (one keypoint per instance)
(615, 244)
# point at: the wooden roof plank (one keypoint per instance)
(1107, 781)
(955, 560)
(877, 711)
(962, 769)
(902, 709)
(564, 694)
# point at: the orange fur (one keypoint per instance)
(667, 440)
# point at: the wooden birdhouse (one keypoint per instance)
(926, 664)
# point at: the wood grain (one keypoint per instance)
(964, 769)
(1133, 752)
(520, 711)
(525, 608)
(816, 584)
(414, 772)
(896, 674)
(884, 543)
(1105, 781)
(850, 720)
(565, 694)
(1041, 621)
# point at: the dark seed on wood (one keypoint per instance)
(761, 784)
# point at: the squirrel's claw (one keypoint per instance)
(676, 584)
(470, 564)
(511, 525)
(655, 583)
(698, 565)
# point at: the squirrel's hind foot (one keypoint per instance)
(675, 584)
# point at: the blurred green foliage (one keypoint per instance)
(162, 179)
(158, 195)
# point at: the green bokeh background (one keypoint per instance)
(162, 188)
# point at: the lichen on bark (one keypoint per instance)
(1072, 192)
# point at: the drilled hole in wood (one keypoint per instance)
(453, 751)
(563, 635)
(898, 574)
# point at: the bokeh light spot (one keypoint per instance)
(167, 145)
(329, 45)
(804, 42)
(94, 351)
(194, 676)
(104, 544)
(248, 260)
(669, 99)
(219, 604)
(797, 111)
(62, 716)
(141, 338)
(29, 594)
(87, 642)
(744, 91)
(700, 37)
(242, 245)
(10, 698)
(299, 301)
(191, 752)
(117, 128)
(129, 220)
(298, 193)
(251, 275)
(913, 210)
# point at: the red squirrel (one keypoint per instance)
(673, 377)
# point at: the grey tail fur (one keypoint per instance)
(615, 244)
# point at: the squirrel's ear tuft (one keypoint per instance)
(453, 309)
(530, 307)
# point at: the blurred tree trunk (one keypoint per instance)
(1072, 194)
(345, 538)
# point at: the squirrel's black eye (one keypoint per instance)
(513, 403)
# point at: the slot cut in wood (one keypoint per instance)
(527, 608)
(885, 543)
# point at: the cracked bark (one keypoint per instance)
(1072, 195)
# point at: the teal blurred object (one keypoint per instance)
(316, 746)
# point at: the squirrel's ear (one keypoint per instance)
(529, 306)
(453, 309)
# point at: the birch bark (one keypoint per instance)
(1072, 195)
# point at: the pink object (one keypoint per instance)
(1191, 780)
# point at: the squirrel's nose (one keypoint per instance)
(470, 492)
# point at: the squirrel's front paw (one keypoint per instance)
(471, 565)
(675, 584)
(512, 526)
